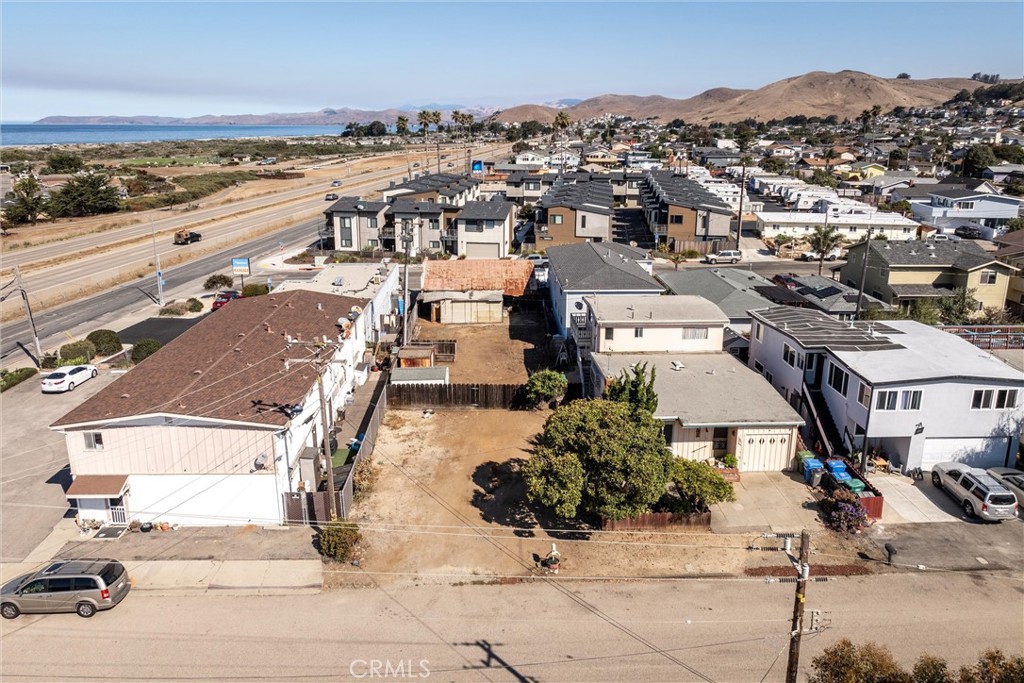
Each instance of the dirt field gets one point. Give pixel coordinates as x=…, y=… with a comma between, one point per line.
x=449, y=506
x=496, y=354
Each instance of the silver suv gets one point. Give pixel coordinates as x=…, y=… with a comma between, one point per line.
x=978, y=492
x=81, y=586
x=730, y=255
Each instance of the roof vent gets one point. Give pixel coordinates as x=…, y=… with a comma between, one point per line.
x=932, y=255
x=676, y=365
x=237, y=350
x=931, y=247
x=197, y=372
x=711, y=371
x=126, y=395
x=319, y=306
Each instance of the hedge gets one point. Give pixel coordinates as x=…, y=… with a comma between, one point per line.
x=107, y=342
x=14, y=377
x=144, y=348
x=78, y=349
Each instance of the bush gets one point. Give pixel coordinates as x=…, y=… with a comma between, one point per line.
x=364, y=478
x=48, y=361
x=106, y=342
x=255, y=290
x=14, y=377
x=78, y=349
x=337, y=540
x=842, y=511
x=174, y=309
x=194, y=305
x=691, y=254
x=218, y=281
x=545, y=385
x=144, y=348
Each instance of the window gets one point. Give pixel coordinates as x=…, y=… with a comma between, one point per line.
x=758, y=366
x=373, y=244
x=638, y=332
x=93, y=441
x=666, y=430
x=910, y=400
x=838, y=379
x=372, y=222
x=789, y=355
x=982, y=399
x=675, y=220
x=556, y=219
x=695, y=333
x=768, y=376
x=1006, y=398
x=434, y=224
x=583, y=221
x=346, y=233
x=435, y=245
x=609, y=333
x=966, y=206
x=85, y=584
x=720, y=439
x=988, y=277
x=758, y=331
x=864, y=395
x=61, y=585
x=885, y=400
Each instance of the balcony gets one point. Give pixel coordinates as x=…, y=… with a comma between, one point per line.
x=388, y=231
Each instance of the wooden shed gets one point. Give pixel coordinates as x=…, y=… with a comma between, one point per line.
x=416, y=357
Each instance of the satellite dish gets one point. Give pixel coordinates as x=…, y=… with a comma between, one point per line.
x=260, y=462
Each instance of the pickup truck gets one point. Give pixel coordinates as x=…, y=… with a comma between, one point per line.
x=815, y=256
x=186, y=237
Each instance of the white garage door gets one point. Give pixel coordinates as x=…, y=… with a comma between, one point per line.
x=974, y=452
x=483, y=250
x=764, y=450
x=474, y=312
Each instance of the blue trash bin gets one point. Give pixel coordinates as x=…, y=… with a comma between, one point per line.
x=811, y=464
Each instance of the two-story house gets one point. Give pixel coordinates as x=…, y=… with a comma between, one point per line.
x=222, y=423
x=1011, y=252
x=735, y=291
x=353, y=223
x=900, y=273
x=485, y=229
x=918, y=394
x=710, y=403
x=680, y=212
x=951, y=209
x=440, y=188
x=573, y=212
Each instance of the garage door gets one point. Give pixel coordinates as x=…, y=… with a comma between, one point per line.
x=483, y=250
x=764, y=450
x=474, y=312
x=974, y=452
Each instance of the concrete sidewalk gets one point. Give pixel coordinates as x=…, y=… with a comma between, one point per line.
x=196, y=577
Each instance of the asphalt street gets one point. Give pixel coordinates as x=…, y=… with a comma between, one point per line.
x=698, y=630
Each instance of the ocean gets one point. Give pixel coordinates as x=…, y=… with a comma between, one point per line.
x=18, y=134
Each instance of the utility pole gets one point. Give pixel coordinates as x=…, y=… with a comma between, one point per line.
x=28, y=312
x=407, y=241
x=159, y=273
x=863, y=274
x=739, y=221
x=799, y=602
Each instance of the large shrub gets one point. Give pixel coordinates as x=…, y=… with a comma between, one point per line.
x=144, y=348
x=175, y=308
x=106, y=342
x=546, y=385
x=337, y=540
x=78, y=349
x=842, y=511
x=218, y=281
x=14, y=377
x=255, y=290
x=194, y=305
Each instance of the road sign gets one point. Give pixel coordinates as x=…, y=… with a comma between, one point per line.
x=240, y=266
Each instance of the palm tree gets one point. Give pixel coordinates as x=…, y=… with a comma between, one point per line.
x=456, y=117
x=424, y=118
x=402, y=125
x=27, y=201
x=435, y=118
x=829, y=156
x=823, y=241
x=467, y=121
x=562, y=121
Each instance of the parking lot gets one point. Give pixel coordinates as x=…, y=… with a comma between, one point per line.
x=35, y=462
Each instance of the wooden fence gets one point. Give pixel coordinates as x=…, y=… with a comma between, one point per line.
x=444, y=349
x=451, y=395
x=658, y=520
x=370, y=428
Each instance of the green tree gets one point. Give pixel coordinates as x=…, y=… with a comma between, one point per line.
x=86, y=195
x=783, y=241
x=424, y=118
x=144, y=348
x=823, y=240
x=106, y=342
x=1015, y=224
x=700, y=485
x=64, y=162
x=257, y=289
x=829, y=156
x=637, y=390
x=903, y=76
x=978, y=158
x=376, y=129
x=26, y=203
x=959, y=307
x=218, y=281
x=844, y=662
x=545, y=385
x=774, y=164
x=823, y=178
x=402, y=125
x=600, y=458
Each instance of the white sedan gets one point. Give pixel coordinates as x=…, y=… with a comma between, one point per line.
x=66, y=379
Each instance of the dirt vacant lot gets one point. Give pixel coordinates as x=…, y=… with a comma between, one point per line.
x=504, y=353
x=449, y=506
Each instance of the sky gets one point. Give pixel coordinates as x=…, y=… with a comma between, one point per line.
x=186, y=59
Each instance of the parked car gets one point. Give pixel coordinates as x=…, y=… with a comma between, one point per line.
x=787, y=281
x=976, y=490
x=968, y=232
x=186, y=237
x=83, y=586
x=451, y=164
x=67, y=378
x=335, y=183
x=416, y=165
x=941, y=237
x=730, y=255
x=223, y=298
x=330, y=197
x=1013, y=480
x=815, y=256
x=537, y=259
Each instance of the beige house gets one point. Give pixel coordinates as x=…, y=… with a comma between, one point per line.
x=900, y=273
x=710, y=403
x=1011, y=252
x=573, y=212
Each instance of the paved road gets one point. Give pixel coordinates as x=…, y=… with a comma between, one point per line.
x=672, y=631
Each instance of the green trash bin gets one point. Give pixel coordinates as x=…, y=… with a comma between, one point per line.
x=801, y=456
x=855, y=485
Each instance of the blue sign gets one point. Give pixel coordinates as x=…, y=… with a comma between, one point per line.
x=478, y=166
x=240, y=266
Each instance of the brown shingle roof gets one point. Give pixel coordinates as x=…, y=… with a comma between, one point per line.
x=511, y=277
x=97, y=486
x=228, y=367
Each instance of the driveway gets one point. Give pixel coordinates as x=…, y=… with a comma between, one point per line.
x=35, y=463
x=918, y=502
x=766, y=501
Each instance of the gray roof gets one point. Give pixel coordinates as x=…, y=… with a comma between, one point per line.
x=355, y=205
x=816, y=330
x=957, y=193
x=730, y=393
x=655, y=310
x=594, y=197
x=408, y=206
x=731, y=289
x=961, y=254
x=925, y=191
x=432, y=374
x=492, y=210
x=665, y=187
x=832, y=296
x=912, y=291
x=598, y=267
x=446, y=184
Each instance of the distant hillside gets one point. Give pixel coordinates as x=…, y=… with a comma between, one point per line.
x=529, y=112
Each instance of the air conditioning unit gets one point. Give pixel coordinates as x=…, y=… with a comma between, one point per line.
x=376, y=279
